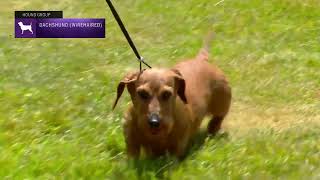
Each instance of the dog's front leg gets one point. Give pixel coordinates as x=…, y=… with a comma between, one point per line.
x=131, y=137
x=133, y=150
x=132, y=143
x=179, y=148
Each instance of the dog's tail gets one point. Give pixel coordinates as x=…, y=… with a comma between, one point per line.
x=204, y=51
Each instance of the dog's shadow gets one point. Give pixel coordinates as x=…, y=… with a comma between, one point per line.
x=160, y=167
x=201, y=138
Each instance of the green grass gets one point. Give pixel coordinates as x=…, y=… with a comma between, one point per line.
x=56, y=94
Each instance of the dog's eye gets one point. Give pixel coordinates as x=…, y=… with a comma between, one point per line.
x=165, y=95
x=143, y=94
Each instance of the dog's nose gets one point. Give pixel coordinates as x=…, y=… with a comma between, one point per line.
x=154, y=120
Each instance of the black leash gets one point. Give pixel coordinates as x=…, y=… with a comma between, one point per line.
x=126, y=34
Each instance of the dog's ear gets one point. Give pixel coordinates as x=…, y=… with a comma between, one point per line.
x=180, y=85
x=129, y=81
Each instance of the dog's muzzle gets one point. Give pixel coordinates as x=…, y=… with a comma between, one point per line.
x=154, y=120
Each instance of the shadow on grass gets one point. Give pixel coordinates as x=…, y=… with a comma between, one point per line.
x=200, y=138
x=160, y=167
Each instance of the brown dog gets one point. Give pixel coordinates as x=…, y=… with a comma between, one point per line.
x=169, y=105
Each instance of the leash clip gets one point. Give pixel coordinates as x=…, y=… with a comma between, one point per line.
x=141, y=60
x=126, y=34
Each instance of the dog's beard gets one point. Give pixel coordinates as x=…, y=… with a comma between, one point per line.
x=162, y=131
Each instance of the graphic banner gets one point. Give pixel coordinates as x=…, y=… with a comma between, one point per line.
x=40, y=24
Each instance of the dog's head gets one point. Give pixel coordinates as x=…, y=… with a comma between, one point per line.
x=20, y=23
x=154, y=93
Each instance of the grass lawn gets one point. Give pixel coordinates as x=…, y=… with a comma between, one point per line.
x=56, y=94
